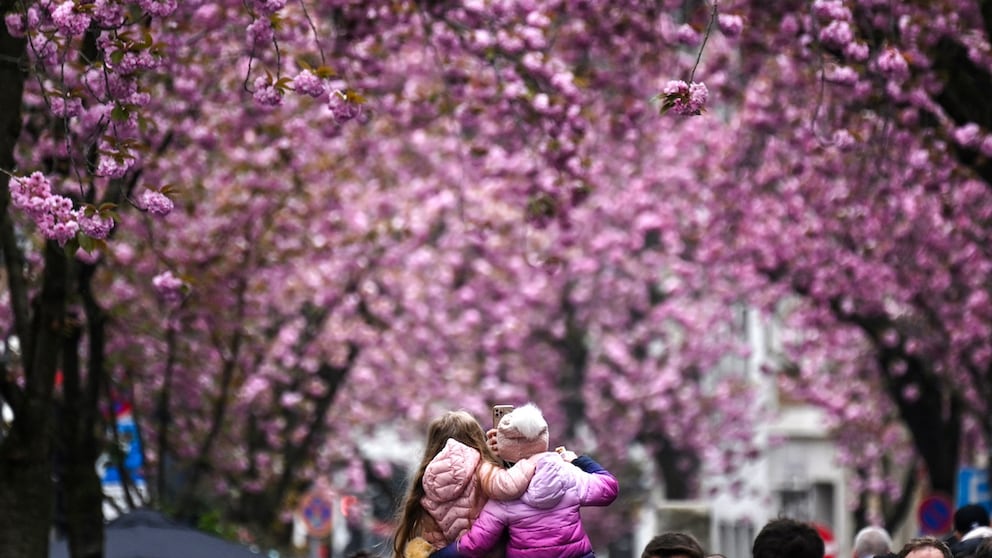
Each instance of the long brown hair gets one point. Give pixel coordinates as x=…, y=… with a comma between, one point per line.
x=454, y=424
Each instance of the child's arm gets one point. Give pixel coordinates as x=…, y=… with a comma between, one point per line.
x=505, y=484
x=483, y=536
x=602, y=487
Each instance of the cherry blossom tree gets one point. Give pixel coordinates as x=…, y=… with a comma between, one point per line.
x=859, y=188
x=121, y=102
x=383, y=290
x=279, y=225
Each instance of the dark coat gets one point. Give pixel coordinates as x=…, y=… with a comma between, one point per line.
x=967, y=548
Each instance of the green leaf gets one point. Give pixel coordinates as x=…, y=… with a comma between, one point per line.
x=100, y=244
x=119, y=113
x=541, y=206
x=355, y=97
x=71, y=247
x=85, y=242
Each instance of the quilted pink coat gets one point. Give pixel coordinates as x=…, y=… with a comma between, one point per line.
x=545, y=521
x=458, y=482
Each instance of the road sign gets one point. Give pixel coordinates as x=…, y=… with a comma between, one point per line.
x=316, y=511
x=973, y=487
x=130, y=447
x=935, y=514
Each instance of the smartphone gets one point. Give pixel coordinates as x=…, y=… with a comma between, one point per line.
x=499, y=411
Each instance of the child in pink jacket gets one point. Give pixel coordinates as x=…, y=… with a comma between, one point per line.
x=544, y=522
x=458, y=474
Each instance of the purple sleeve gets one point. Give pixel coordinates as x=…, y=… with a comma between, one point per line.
x=602, y=488
x=486, y=532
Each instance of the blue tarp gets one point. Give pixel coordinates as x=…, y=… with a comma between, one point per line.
x=148, y=534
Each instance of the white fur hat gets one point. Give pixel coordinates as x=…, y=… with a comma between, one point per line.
x=522, y=433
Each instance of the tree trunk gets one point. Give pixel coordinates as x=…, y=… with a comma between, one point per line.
x=81, y=436
x=26, y=488
x=896, y=512
x=934, y=420
x=933, y=417
x=680, y=480
x=25, y=454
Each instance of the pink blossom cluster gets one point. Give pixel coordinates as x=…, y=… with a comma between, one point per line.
x=16, y=24
x=683, y=98
x=267, y=7
x=260, y=32
x=156, y=203
x=857, y=51
x=307, y=83
x=266, y=93
x=831, y=10
x=342, y=107
x=688, y=36
x=95, y=225
x=893, y=64
x=125, y=59
x=838, y=34
x=53, y=214
x=968, y=135
x=114, y=164
x=170, y=288
x=836, y=30
x=158, y=8
x=108, y=13
x=845, y=75
x=68, y=20
x=66, y=107
x=730, y=25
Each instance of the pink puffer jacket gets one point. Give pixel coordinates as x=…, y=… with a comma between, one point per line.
x=545, y=521
x=458, y=482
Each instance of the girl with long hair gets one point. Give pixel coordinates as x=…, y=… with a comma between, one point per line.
x=457, y=475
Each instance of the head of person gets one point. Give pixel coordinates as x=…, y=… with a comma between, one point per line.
x=673, y=545
x=984, y=550
x=925, y=547
x=871, y=541
x=787, y=538
x=969, y=517
x=522, y=433
x=458, y=425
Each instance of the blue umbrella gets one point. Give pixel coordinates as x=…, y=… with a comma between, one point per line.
x=147, y=533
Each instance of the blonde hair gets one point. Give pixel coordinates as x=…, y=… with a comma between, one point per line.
x=464, y=428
